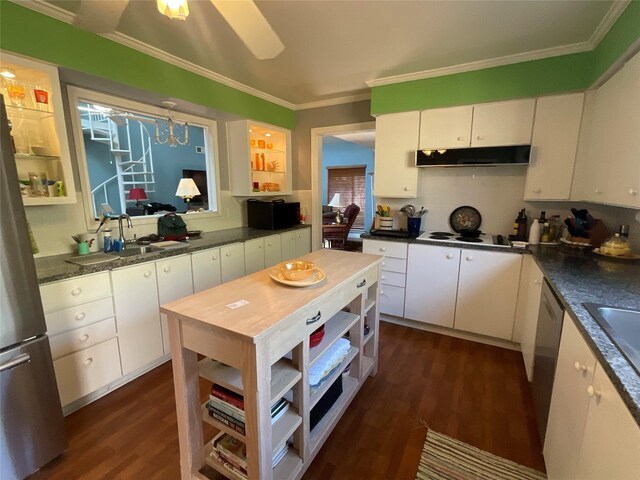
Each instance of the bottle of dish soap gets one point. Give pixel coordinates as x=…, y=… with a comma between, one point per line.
x=534, y=232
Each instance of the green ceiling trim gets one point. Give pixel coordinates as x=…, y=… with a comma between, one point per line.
x=38, y=36
x=547, y=76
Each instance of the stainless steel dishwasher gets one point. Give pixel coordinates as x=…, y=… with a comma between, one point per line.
x=546, y=354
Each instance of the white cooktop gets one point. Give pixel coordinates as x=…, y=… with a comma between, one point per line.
x=455, y=238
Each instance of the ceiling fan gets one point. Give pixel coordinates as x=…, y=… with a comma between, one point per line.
x=243, y=16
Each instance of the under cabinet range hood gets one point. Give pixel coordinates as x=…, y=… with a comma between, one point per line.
x=474, y=157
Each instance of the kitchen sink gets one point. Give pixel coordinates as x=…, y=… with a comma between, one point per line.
x=135, y=250
x=622, y=325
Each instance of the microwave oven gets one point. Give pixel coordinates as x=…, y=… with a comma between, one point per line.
x=272, y=215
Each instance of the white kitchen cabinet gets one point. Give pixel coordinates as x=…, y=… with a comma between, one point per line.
x=393, y=274
x=446, y=127
x=135, y=295
x=611, y=441
x=432, y=284
x=553, y=147
x=75, y=291
x=396, y=174
x=232, y=262
x=175, y=281
x=38, y=129
x=288, y=245
x=503, y=123
x=261, y=156
x=528, y=304
x=303, y=241
x=254, y=255
x=272, y=250
x=487, y=292
x=610, y=171
x=205, y=267
x=591, y=434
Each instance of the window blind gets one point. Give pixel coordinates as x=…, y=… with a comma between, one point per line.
x=350, y=183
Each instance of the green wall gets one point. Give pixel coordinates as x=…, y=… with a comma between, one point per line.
x=32, y=34
x=527, y=79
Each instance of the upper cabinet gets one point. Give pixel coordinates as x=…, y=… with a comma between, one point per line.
x=608, y=169
x=554, y=144
x=396, y=174
x=485, y=125
x=34, y=107
x=259, y=159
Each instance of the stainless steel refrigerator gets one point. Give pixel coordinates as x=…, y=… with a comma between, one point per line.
x=30, y=412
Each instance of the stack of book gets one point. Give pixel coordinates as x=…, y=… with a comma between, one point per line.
x=227, y=407
x=232, y=453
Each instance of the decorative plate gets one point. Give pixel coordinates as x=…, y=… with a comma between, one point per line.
x=316, y=277
x=466, y=217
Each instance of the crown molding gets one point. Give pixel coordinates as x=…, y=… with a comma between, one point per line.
x=334, y=101
x=607, y=22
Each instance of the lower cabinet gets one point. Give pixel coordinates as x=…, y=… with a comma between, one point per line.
x=272, y=250
x=432, y=284
x=295, y=243
x=254, y=255
x=526, y=321
x=174, y=281
x=590, y=433
x=471, y=290
x=232, y=262
x=135, y=296
x=393, y=275
x=205, y=268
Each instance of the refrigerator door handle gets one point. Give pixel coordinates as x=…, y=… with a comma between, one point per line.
x=14, y=362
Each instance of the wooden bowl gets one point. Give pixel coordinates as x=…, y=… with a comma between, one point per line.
x=297, y=270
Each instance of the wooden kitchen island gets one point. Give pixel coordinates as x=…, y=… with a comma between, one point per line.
x=260, y=349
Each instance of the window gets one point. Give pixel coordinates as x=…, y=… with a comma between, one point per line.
x=127, y=164
x=350, y=183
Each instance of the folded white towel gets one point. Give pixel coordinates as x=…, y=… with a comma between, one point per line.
x=328, y=361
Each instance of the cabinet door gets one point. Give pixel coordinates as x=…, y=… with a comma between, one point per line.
x=611, y=442
x=487, y=293
x=232, y=262
x=553, y=147
x=526, y=320
x=432, y=284
x=272, y=250
x=174, y=281
x=135, y=296
x=303, y=241
x=446, y=127
x=205, y=266
x=503, y=123
x=396, y=174
x=615, y=142
x=254, y=255
x=569, y=403
x=288, y=245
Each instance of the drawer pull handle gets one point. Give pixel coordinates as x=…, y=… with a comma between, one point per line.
x=469, y=258
x=80, y=316
x=315, y=318
x=363, y=283
x=215, y=257
x=594, y=392
x=384, y=264
x=84, y=338
x=383, y=249
x=449, y=256
x=459, y=139
x=259, y=246
x=88, y=361
x=14, y=362
x=76, y=291
x=147, y=274
x=166, y=269
x=580, y=367
x=228, y=254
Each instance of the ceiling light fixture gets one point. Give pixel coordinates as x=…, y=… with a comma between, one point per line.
x=171, y=139
x=173, y=9
x=8, y=73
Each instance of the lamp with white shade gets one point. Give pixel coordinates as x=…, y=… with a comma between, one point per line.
x=187, y=189
x=336, y=203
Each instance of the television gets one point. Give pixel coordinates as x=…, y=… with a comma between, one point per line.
x=200, y=179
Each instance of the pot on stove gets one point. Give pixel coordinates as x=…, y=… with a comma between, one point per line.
x=470, y=233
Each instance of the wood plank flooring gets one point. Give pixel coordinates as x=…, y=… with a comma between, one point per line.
x=476, y=393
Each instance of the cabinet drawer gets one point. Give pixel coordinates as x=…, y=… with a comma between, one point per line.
x=392, y=278
x=394, y=265
x=388, y=249
x=75, y=291
x=80, y=338
x=79, y=316
x=392, y=300
x=85, y=371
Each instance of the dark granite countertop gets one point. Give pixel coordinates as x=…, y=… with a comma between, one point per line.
x=50, y=269
x=578, y=277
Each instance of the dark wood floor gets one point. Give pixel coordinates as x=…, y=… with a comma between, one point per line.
x=473, y=392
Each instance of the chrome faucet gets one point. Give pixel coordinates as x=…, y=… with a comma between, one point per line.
x=123, y=240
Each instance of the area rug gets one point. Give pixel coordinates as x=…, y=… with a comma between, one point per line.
x=444, y=458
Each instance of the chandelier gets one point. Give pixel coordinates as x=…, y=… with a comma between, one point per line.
x=171, y=138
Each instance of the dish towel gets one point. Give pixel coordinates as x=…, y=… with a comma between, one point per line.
x=328, y=361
